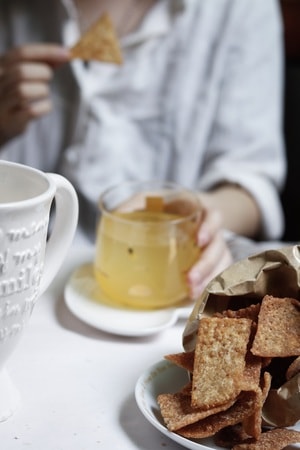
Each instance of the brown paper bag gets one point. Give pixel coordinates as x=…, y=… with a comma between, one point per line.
x=274, y=272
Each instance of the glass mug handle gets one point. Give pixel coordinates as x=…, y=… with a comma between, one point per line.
x=65, y=223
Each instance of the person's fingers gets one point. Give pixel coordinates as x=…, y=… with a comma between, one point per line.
x=29, y=92
x=210, y=240
x=26, y=72
x=208, y=259
x=213, y=258
x=14, y=81
x=39, y=108
x=224, y=262
x=211, y=224
x=50, y=53
x=23, y=96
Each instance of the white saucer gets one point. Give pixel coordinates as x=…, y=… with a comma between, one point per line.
x=85, y=300
x=166, y=377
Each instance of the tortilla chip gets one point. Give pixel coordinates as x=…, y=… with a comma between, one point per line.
x=219, y=364
x=242, y=408
x=99, y=43
x=276, y=439
x=252, y=425
x=278, y=329
x=250, y=312
x=185, y=360
x=230, y=436
x=265, y=385
x=252, y=372
x=229, y=384
x=293, y=369
x=177, y=411
x=187, y=390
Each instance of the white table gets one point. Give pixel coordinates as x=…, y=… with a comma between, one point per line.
x=77, y=383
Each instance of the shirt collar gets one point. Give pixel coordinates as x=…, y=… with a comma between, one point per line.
x=70, y=8
x=157, y=23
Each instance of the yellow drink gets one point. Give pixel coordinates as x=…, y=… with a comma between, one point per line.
x=142, y=257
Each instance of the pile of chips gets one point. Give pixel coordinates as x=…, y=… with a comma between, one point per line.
x=239, y=356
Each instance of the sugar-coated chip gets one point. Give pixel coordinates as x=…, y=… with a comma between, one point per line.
x=252, y=381
x=293, y=369
x=187, y=390
x=177, y=411
x=278, y=329
x=250, y=312
x=183, y=359
x=231, y=435
x=229, y=381
x=242, y=408
x=275, y=439
x=99, y=43
x=252, y=372
x=252, y=424
x=265, y=384
x=219, y=360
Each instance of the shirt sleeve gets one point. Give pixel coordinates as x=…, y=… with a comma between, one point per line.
x=246, y=142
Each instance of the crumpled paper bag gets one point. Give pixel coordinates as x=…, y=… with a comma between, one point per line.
x=274, y=272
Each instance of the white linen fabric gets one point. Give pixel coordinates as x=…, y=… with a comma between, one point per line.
x=198, y=100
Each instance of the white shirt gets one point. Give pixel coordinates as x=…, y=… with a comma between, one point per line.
x=198, y=100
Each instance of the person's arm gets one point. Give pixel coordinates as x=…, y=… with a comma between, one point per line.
x=238, y=209
x=25, y=74
x=245, y=147
x=231, y=207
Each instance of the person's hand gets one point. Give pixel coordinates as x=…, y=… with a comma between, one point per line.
x=25, y=74
x=215, y=254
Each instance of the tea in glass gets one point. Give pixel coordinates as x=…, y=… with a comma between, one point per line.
x=146, y=243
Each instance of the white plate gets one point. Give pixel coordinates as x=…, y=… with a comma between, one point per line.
x=166, y=377
x=86, y=301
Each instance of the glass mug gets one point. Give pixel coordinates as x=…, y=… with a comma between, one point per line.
x=146, y=243
x=29, y=258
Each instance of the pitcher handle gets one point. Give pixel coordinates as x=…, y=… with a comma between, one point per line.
x=62, y=234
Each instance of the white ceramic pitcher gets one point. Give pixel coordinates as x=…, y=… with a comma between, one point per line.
x=29, y=258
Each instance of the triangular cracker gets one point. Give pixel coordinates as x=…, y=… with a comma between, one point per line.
x=99, y=43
